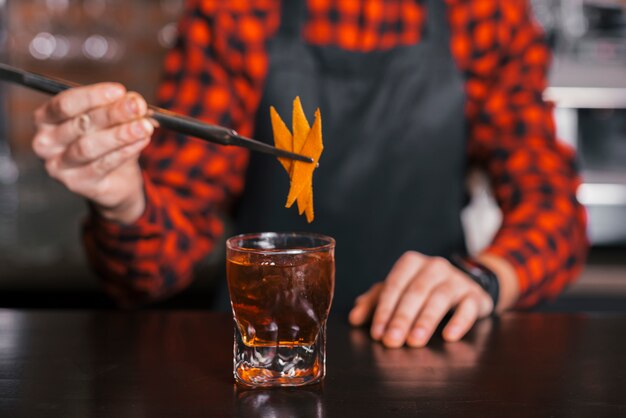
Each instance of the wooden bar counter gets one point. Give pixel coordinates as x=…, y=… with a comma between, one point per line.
x=179, y=364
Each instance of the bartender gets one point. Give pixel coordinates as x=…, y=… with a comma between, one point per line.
x=412, y=93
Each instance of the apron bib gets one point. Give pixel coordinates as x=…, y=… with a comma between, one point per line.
x=391, y=178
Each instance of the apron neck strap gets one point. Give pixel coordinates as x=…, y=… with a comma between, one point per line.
x=292, y=18
x=437, y=26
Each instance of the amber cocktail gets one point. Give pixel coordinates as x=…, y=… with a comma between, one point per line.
x=281, y=288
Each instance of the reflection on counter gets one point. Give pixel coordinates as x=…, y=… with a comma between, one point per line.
x=274, y=403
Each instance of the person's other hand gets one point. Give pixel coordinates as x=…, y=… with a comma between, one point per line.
x=90, y=139
x=416, y=295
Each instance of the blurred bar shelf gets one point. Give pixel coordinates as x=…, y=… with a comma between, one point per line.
x=582, y=84
x=587, y=97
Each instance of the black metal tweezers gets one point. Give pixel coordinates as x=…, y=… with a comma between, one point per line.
x=166, y=119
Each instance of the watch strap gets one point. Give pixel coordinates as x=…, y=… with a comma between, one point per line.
x=479, y=273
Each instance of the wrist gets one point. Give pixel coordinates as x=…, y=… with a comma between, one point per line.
x=127, y=212
x=480, y=274
x=507, y=278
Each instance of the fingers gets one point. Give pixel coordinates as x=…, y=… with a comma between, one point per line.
x=408, y=307
x=439, y=302
x=54, y=139
x=364, y=305
x=416, y=296
x=429, y=307
x=111, y=161
x=464, y=317
x=401, y=274
x=90, y=139
x=101, y=143
x=76, y=101
x=86, y=180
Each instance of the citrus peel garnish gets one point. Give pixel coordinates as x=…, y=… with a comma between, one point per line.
x=306, y=140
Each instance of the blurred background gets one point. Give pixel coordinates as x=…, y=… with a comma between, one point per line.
x=41, y=260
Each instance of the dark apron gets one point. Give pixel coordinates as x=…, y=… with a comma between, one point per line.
x=392, y=172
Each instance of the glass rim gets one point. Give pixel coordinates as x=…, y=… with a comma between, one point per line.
x=329, y=245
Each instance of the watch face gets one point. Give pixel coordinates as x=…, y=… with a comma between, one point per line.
x=475, y=270
x=480, y=274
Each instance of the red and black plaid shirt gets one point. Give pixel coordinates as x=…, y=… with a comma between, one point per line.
x=217, y=72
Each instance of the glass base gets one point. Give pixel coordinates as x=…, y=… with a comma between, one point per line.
x=280, y=365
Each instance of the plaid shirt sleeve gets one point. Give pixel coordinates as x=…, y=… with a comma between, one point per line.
x=512, y=135
x=214, y=73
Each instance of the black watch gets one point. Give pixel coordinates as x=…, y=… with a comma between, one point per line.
x=478, y=272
